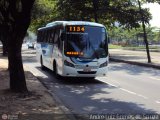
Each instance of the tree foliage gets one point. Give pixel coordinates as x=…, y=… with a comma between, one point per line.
x=126, y=13
x=43, y=12
x=122, y=12
x=134, y=36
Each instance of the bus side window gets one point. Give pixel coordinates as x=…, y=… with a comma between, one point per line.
x=52, y=36
x=38, y=36
x=49, y=38
x=61, y=39
x=56, y=36
x=48, y=35
x=42, y=36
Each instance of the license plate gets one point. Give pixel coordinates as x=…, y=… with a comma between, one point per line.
x=87, y=69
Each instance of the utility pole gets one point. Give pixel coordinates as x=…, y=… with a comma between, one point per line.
x=144, y=33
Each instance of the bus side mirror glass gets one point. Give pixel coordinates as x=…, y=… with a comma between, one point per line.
x=62, y=36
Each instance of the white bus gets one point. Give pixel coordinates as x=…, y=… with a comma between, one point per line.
x=73, y=48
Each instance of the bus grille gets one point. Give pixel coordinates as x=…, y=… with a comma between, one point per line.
x=82, y=72
x=82, y=67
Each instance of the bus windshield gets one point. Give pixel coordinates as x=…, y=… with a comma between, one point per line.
x=91, y=43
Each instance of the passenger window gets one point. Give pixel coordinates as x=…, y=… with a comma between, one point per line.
x=42, y=36
x=56, y=36
x=52, y=35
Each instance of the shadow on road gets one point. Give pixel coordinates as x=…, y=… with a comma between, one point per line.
x=90, y=96
x=70, y=80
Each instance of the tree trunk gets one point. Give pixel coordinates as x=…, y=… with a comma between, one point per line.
x=95, y=7
x=144, y=34
x=17, y=31
x=17, y=76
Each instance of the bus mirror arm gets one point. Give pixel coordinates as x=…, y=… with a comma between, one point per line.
x=62, y=36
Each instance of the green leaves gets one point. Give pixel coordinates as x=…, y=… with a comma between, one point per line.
x=42, y=13
x=124, y=12
x=108, y=12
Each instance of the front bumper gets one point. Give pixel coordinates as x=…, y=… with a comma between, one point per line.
x=73, y=72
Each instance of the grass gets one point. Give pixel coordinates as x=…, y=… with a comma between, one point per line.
x=111, y=46
x=141, y=47
x=154, y=48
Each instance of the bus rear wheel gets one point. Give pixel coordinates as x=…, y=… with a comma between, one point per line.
x=55, y=70
x=42, y=66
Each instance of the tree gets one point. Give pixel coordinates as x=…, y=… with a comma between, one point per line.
x=134, y=36
x=43, y=12
x=125, y=12
x=128, y=13
x=16, y=15
x=144, y=32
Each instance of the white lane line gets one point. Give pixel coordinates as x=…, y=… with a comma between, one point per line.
x=134, y=93
x=155, y=78
x=128, y=91
x=142, y=96
x=158, y=102
x=108, y=83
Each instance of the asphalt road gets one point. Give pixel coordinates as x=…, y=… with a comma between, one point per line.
x=128, y=89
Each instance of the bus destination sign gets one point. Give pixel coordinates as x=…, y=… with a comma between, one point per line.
x=75, y=28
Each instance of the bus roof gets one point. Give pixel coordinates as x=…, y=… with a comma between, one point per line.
x=65, y=23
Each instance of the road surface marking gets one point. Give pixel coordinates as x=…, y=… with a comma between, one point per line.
x=128, y=91
x=133, y=93
x=158, y=102
x=35, y=71
x=155, y=78
x=108, y=83
x=142, y=96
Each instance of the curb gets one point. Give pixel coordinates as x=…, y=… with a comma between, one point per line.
x=67, y=112
x=150, y=65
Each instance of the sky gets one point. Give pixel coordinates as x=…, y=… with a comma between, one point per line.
x=155, y=11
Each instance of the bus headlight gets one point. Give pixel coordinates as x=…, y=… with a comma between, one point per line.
x=68, y=64
x=103, y=64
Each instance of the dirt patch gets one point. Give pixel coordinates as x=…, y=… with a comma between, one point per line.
x=37, y=103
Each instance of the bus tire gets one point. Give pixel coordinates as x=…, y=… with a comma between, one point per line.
x=42, y=66
x=55, y=70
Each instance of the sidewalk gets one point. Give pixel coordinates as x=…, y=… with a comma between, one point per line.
x=37, y=106
x=135, y=57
